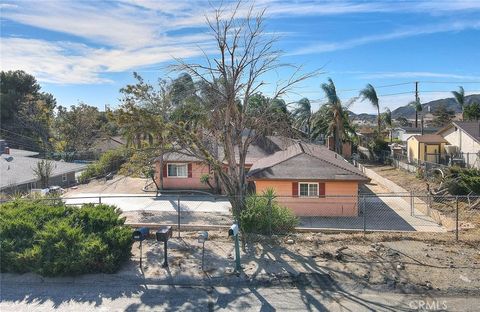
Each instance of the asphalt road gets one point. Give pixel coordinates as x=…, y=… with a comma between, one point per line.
x=121, y=297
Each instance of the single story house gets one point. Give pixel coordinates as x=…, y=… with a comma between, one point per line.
x=464, y=136
x=182, y=171
x=17, y=175
x=310, y=179
x=427, y=147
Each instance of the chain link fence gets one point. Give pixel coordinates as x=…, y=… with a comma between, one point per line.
x=367, y=212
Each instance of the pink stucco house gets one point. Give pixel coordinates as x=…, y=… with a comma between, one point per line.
x=310, y=179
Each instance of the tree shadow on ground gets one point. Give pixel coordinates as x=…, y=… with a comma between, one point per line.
x=276, y=266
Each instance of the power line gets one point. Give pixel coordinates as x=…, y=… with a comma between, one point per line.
x=462, y=82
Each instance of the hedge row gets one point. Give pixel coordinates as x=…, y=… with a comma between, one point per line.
x=54, y=240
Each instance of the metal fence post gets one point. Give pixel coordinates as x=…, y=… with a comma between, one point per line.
x=269, y=216
x=99, y=200
x=178, y=214
x=456, y=218
x=411, y=204
x=362, y=200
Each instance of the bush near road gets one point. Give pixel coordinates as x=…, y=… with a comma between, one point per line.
x=55, y=240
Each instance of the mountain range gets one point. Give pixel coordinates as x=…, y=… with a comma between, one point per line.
x=409, y=112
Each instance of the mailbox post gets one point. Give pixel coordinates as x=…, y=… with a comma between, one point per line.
x=163, y=235
x=140, y=235
x=233, y=231
x=202, y=237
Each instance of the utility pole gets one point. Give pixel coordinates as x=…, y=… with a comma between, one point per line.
x=417, y=100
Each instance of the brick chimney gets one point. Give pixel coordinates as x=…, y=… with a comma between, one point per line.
x=6, y=150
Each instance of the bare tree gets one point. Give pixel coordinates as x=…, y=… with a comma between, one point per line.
x=244, y=54
x=43, y=172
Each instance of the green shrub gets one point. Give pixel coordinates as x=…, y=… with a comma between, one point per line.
x=263, y=214
x=60, y=240
x=461, y=181
x=110, y=161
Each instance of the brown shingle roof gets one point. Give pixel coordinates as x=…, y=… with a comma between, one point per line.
x=305, y=161
x=472, y=128
x=430, y=138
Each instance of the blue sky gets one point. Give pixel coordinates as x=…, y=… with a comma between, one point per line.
x=87, y=50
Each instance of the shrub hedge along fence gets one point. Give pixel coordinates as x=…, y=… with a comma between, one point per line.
x=58, y=240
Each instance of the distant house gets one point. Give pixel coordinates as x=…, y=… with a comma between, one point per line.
x=403, y=133
x=304, y=175
x=17, y=175
x=102, y=145
x=464, y=137
x=427, y=147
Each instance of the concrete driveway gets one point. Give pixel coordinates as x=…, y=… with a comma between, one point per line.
x=147, y=202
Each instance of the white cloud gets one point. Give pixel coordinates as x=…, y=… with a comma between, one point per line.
x=397, y=34
x=67, y=63
x=106, y=36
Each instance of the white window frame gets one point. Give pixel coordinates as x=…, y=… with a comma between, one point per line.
x=309, y=183
x=64, y=177
x=177, y=176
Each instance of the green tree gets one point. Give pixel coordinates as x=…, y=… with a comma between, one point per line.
x=142, y=117
x=338, y=114
x=460, y=99
x=76, y=129
x=417, y=106
x=43, y=171
x=442, y=116
x=402, y=121
x=472, y=112
x=26, y=112
x=387, y=120
x=302, y=116
x=369, y=93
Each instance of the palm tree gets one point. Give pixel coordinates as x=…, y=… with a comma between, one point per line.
x=387, y=119
x=460, y=99
x=337, y=112
x=302, y=115
x=369, y=93
x=418, y=108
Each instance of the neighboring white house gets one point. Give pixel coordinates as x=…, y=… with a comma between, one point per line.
x=465, y=135
x=403, y=133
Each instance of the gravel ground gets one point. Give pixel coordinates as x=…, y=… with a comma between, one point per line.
x=379, y=262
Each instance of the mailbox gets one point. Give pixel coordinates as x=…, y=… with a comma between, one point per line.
x=164, y=234
x=141, y=234
x=233, y=231
x=202, y=237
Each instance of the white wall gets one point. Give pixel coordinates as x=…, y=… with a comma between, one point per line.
x=465, y=143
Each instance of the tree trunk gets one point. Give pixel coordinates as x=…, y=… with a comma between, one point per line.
x=379, y=122
x=160, y=187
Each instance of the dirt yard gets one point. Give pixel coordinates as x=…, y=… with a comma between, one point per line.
x=119, y=184
x=384, y=262
x=405, y=179
x=447, y=206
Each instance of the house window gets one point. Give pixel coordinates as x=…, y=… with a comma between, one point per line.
x=64, y=177
x=177, y=170
x=308, y=189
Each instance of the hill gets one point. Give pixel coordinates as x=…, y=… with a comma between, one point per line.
x=409, y=113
